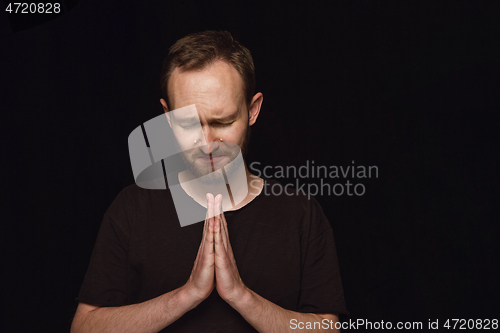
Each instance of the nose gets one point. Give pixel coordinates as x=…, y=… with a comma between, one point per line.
x=211, y=139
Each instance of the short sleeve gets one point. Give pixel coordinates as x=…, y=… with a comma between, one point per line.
x=321, y=285
x=105, y=281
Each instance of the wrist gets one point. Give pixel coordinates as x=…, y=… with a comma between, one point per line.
x=244, y=299
x=189, y=297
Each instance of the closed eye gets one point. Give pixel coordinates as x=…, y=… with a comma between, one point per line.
x=189, y=126
x=214, y=124
x=224, y=124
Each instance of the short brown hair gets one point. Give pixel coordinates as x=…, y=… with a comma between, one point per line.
x=199, y=50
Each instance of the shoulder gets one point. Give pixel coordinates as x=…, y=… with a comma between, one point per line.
x=133, y=202
x=127, y=197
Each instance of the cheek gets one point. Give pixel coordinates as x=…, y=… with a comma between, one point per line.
x=184, y=139
x=236, y=134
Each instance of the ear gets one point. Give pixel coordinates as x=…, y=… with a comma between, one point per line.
x=254, y=109
x=165, y=109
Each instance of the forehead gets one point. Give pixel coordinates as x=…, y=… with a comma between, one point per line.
x=216, y=88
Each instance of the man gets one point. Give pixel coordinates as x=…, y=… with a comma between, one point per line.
x=268, y=263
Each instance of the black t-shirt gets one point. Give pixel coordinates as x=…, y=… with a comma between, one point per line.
x=283, y=246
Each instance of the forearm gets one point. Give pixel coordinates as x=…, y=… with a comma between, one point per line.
x=149, y=316
x=266, y=316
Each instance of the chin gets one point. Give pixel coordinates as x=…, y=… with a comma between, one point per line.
x=211, y=178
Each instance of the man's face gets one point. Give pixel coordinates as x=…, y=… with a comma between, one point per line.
x=218, y=94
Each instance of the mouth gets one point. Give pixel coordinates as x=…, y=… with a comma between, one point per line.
x=211, y=158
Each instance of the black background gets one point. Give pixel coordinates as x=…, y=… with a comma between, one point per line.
x=411, y=88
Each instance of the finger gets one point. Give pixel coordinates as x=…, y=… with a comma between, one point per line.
x=203, y=240
x=210, y=233
x=199, y=249
x=224, y=222
x=205, y=226
x=229, y=252
x=207, y=242
x=217, y=221
x=210, y=205
x=205, y=233
x=218, y=211
x=219, y=244
x=225, y=236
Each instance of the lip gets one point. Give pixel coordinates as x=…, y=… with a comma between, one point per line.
x=213, y=159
